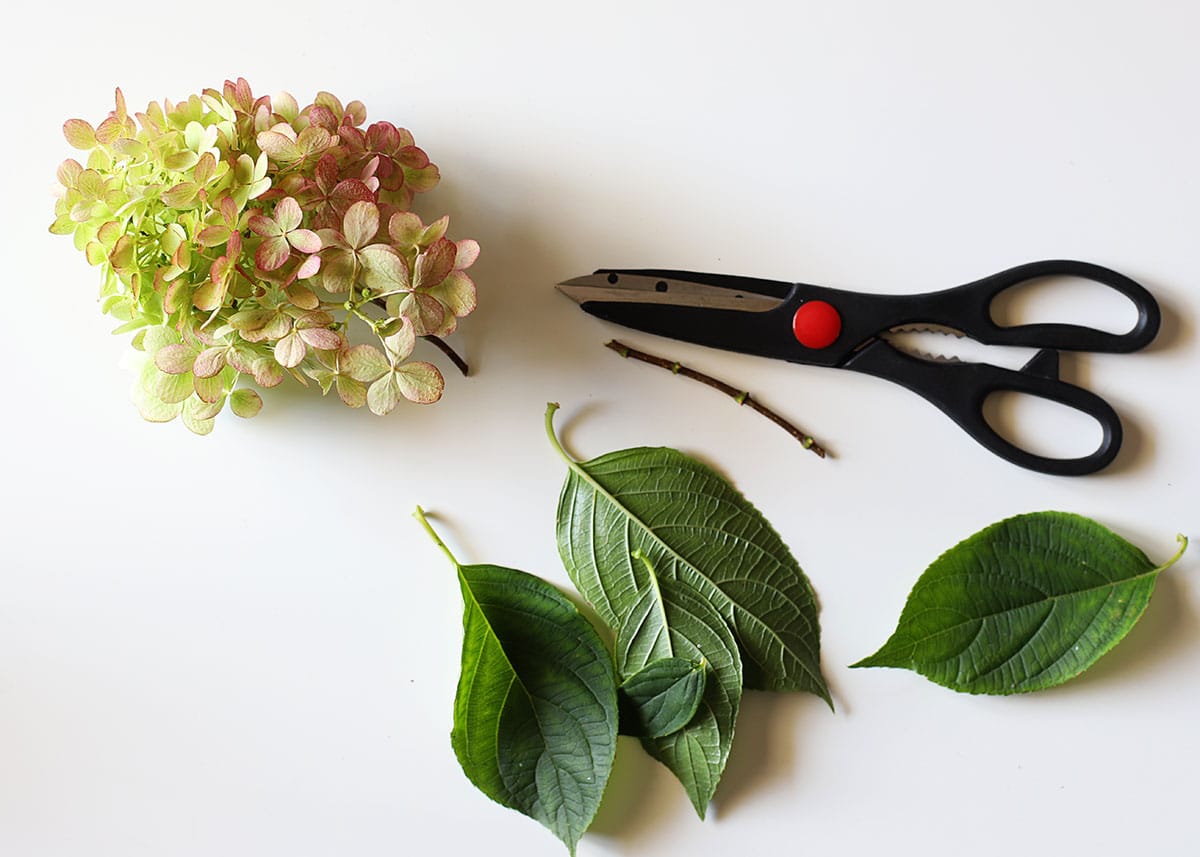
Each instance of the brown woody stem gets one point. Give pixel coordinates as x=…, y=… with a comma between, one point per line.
x=739, y=396
x=445, y=348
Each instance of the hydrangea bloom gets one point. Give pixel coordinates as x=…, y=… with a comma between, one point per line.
x=241, y=235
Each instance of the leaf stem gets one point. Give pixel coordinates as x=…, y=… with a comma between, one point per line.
x=419, y=514
x=740, y=396
x=1183, y=544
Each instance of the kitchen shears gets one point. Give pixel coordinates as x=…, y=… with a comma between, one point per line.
x=821, y=326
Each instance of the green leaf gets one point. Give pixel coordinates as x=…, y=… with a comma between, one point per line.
x=697, y=529
x=1025, y=604
x=535, y=715
x=664, y=695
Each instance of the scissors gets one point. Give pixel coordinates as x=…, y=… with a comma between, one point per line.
x=821, y=326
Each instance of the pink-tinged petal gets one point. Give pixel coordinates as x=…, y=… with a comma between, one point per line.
x=175, y=359
x=356, y=112
x=304, y=240
x=457, y=293
x=309, y=268
x=267, y=373
x=79, y=134
x=348, y=192
x=353, y=393
x=331, y=237
x=339, y=271
x=313, y=139
x=264, y=226
x=234, y=248
x=412, y=157
x=290, y=350
x=302, y=296
x=434, y=264
x=209, y=390
x=211, y=236
x=326, y=172
x=314, y=319
x=209, y=362
x=435, y=231
x=324, y=118
x=288, y=214
x=382, y=137
x=245, y=403
x=363, y=363
x=278, y=147
x=272, y=253
x=420, y=382
x=422, y=180
x=383, y=395
x=401, y=343
x=181, y=195
x=384, y=267
x=468, y=252
x=426, y=313
x=361, y=223
x=176, y=297
x=205, y=167
x=68, y=172
x=321, y=338
x=405, y=228
x=108, y=131
x=210, y=295
x=229, y=210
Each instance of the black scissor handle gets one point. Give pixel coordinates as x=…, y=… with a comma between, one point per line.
x=960, y=390
x=968, y=308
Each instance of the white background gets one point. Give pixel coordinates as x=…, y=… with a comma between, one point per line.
x=243, y=644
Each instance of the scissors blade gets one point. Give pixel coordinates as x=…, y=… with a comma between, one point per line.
x=646, y=289
x=719, y=317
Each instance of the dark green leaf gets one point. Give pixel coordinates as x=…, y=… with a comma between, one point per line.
x=676, y=560
x=535, y=716
x=1025, y=604
x=698, y=529
x=664, y=696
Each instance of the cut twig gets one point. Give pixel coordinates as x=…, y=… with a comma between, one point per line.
x=740, y=396
x=445, y=348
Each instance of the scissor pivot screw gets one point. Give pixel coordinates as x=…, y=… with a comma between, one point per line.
x=816, y=324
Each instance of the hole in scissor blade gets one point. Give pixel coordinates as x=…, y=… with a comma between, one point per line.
x=1041, y=426
x=612, y=279
x=1064, y=300
x=660, y=286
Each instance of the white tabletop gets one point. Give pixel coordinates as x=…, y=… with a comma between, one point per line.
x=243, y=644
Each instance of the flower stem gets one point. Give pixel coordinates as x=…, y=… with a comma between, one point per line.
x=740, y=396
x=445, y=348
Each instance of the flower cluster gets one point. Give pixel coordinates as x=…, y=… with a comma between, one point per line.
x=241, y=235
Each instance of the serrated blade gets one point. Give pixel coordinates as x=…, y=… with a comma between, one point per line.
x=937, y=343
